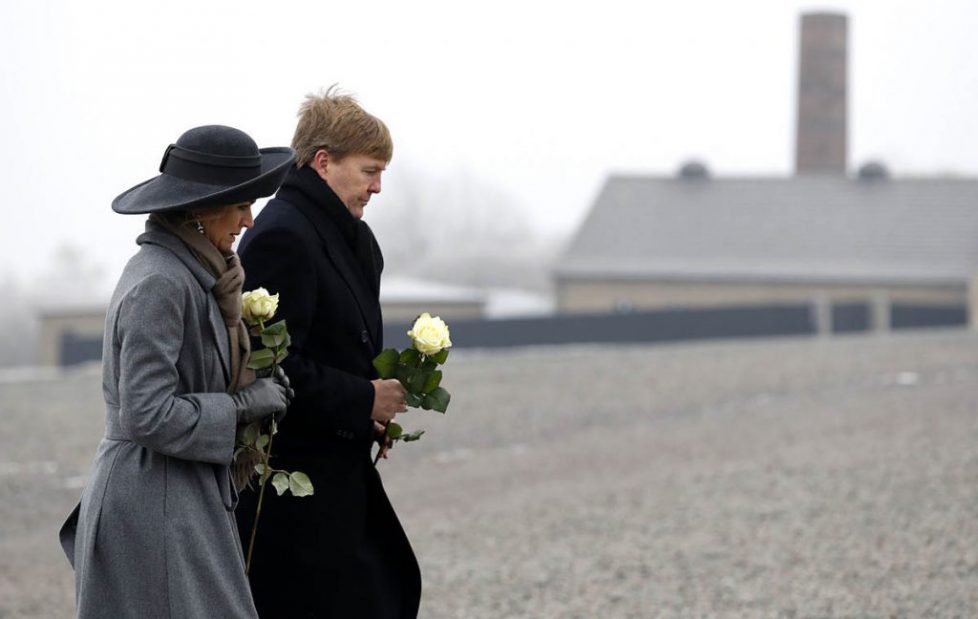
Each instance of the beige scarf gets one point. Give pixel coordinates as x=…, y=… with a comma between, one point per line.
x=227, y=291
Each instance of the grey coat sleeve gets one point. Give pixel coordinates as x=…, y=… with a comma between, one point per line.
x=150, y=331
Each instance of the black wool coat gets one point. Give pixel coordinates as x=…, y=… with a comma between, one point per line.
x=341, y=552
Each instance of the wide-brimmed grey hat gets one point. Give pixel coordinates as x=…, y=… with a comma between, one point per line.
x=212, y=165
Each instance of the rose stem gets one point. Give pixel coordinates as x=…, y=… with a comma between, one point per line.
x=266, y=473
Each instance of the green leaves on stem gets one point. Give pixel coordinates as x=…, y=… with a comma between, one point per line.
x=252, y=438
x=421, y=378
x=276, y=339
x=441, y=357
x=410, y=357
x=297, y=483
x=276, y=335
x=254, y=441
x=396, y=432
x=386, y=363
x=413, y=400
x=437, y=400
x=418, y=374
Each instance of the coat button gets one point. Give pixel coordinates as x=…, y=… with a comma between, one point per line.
x=364, y=336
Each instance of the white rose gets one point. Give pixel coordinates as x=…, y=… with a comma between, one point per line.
x=258, y=305
x=430, y=335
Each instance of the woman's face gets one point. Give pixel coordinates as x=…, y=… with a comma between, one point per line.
x=224, y=226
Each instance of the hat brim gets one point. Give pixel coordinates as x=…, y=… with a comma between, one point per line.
x=169, y=193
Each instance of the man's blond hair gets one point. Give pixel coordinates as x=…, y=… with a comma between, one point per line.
x=336, y=122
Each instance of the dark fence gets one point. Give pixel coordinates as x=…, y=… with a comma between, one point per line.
x=80, y=348
x=631, y=327
x=678, y=324
x=636, y=327
x=903, y=316
x=850, y=317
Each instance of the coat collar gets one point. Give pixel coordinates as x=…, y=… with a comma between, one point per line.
x=155, y=234
x=316, y=201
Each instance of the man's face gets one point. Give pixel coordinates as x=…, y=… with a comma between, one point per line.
x=354, y=179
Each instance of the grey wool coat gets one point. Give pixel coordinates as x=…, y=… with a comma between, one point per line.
x=154, y=535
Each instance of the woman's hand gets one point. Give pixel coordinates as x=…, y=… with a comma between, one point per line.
x=278, y=375
x=260, y=399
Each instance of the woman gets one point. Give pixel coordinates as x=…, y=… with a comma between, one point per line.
x=154, y=534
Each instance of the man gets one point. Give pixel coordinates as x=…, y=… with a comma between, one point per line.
x=341, y=552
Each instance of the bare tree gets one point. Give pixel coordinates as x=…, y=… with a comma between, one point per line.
x=462, y=230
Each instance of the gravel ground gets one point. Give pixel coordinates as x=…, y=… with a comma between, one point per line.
x=775, y=478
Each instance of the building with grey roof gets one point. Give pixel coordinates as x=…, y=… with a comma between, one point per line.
x=820, y=237
x=655, y=243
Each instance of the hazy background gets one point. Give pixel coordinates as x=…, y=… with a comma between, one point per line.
x=506, y=116
x=807, y=476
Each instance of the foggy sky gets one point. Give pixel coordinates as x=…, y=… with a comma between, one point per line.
x=538, y=100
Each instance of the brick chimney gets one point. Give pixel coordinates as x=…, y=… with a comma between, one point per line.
x=822, y=84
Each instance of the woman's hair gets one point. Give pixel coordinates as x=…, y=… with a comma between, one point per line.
x=190, y=217
x=336, y=123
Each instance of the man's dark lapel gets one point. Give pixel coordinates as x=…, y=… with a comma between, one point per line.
x=346, y=265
